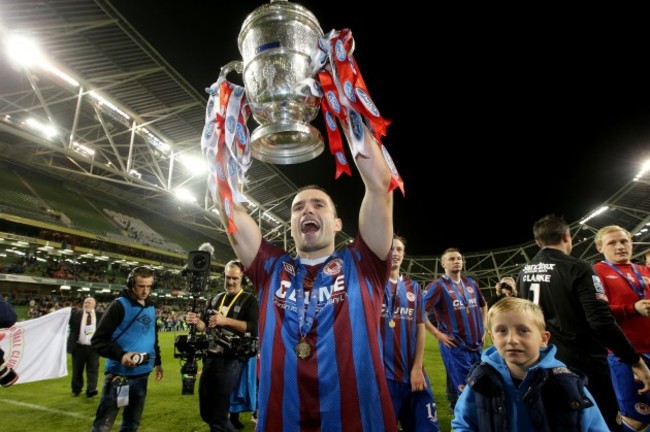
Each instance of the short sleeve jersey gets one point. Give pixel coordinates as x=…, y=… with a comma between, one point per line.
x=457, y=310
x=335, y=306
x=405, y=310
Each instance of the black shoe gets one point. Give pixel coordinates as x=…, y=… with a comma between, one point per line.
x=91, y=393
x=75, y=394
x=234, y=419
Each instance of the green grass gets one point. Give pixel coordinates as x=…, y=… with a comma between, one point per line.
x=47, y=405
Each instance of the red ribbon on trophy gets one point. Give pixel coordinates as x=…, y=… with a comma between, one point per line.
x=345, y=101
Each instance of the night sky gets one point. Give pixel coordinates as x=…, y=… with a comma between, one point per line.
x=498, y=116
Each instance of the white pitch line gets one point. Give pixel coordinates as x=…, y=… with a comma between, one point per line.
x=46, y=409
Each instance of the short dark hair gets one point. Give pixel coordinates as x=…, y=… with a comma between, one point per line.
x=549, y=230
x=319, y=188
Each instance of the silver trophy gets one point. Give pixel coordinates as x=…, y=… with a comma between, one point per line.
x=277, y=41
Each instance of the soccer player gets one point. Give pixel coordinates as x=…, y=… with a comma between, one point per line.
x=628, y=291
x=403, y=333
x=321, y=366
x=460, y=312
x=577, y=313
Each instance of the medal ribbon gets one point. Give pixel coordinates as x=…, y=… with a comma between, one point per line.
x=307, y=315
x=640, y=289
x=388, y=294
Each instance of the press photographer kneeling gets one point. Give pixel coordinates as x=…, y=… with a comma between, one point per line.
x=234, y=312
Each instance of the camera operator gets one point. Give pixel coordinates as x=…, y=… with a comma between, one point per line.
x=507, y=287
x=7, y=319
x=233, y=311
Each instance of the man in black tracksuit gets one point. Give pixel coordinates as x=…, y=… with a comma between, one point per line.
x=577, y=313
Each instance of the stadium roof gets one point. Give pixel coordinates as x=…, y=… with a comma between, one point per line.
x=124, y=121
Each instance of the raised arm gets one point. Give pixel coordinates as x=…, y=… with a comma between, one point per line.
x=376, y=213
x=247, y=237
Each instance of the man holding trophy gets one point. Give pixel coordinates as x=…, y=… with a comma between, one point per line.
x=321, y=366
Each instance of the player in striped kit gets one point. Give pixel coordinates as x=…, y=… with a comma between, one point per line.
x=321, y=365
x=460, y=312
x=403, y=333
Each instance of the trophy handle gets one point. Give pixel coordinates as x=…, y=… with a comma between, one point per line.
x=236, y=65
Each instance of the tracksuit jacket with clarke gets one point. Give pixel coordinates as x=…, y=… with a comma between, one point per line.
x=112, y=341
x=550, y=398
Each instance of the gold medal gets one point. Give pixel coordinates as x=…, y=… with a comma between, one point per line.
x=391, y=323
x=303, y=349
x=467, y=309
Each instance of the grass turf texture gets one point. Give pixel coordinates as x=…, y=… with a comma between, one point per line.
x=48, y=405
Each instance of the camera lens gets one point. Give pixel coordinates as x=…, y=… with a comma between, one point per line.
x=199, y=261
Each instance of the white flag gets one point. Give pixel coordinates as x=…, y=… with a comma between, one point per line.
x=36, y=348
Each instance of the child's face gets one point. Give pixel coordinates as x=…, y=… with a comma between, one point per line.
x=518, y=339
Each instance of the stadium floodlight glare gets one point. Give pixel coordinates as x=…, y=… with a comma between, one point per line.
x=47, y=130
x=24, y=50
x=594, y=214
x=184, y=195
x=644, y=169
x=194, y=164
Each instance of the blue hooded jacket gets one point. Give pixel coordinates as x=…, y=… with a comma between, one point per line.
x=551, y=398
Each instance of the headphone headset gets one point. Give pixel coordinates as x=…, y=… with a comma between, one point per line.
x=140, y=271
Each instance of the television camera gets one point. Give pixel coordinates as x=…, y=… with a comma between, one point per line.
x=190, y=347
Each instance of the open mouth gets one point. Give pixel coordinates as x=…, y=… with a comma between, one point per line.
x=309, y=226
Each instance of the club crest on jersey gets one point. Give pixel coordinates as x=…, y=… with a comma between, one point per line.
x=333, y=267
x=410, y=296
x=642, y=408
x=470, y=289
x=289, y=268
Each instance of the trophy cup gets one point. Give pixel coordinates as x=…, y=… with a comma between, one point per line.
x=277, y=41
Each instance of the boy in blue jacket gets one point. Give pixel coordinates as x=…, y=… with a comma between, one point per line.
x=519, y=385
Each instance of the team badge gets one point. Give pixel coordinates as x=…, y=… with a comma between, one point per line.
x=642, y=408
x=410, y=296
x=333, y=267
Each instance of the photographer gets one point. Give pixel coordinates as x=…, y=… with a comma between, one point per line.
x=127, y=337
x=7, y=319
x=232, y=312
x=507, y=287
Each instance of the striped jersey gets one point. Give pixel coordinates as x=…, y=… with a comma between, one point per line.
x=457, y=309
x=321, y=363
x=405, y=310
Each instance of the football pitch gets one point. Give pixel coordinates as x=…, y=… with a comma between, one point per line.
x=48, y=405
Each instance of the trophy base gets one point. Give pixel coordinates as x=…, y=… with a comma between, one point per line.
x=286, y=143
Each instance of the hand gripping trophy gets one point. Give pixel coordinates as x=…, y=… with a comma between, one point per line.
x=290, y=71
